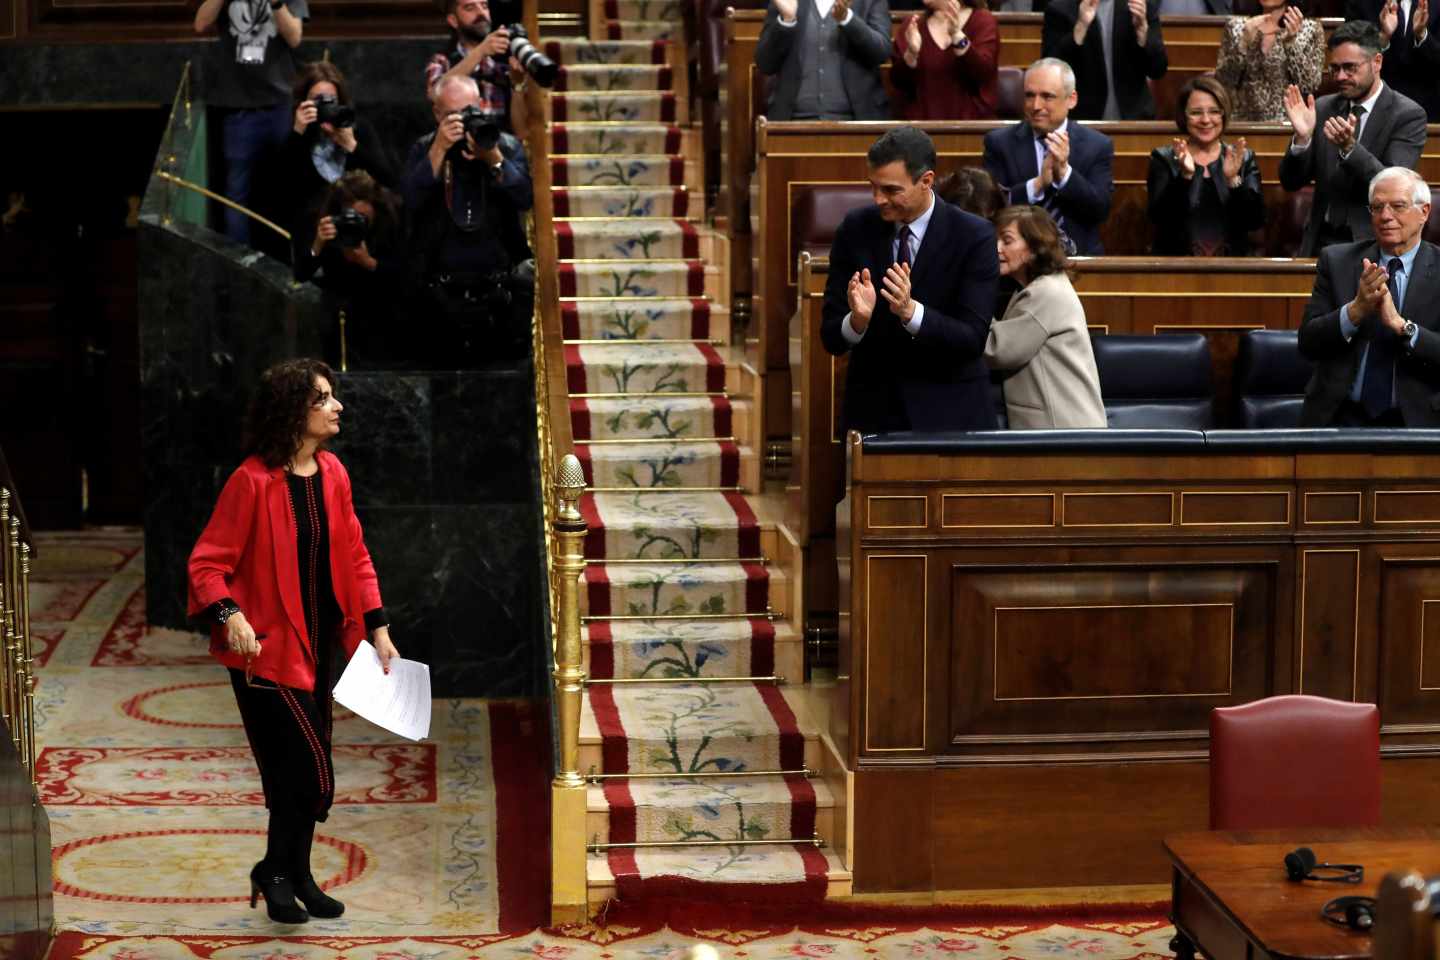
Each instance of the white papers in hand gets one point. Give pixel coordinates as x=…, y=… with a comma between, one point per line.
x=398, y=701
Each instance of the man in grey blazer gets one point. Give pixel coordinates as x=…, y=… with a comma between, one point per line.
x=827, y=54
x=1344, y=139
x=1372, y=325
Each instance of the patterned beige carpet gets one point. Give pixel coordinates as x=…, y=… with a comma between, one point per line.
x=439, y=849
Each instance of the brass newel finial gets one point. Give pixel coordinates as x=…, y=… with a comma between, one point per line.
x=569, y=486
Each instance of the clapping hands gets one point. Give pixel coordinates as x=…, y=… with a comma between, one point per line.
x=1234, y=159
x=1341, y=132
x=861, y=296
x=1139, y=21
x=786, y=9
x=1185, y=158
x=1301, y=113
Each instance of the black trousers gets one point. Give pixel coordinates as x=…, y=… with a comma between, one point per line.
x=290, y=734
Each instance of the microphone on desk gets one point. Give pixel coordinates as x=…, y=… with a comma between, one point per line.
x=1302, y=864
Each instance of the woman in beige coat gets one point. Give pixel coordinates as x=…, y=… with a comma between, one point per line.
x=1041, y=344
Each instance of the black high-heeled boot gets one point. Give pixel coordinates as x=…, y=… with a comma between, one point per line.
x=279, y=893
x=319, y=904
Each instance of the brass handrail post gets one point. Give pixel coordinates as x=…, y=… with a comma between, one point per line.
x=9, y=682
x=15, y=658
x=29, y=653
x=567, y=808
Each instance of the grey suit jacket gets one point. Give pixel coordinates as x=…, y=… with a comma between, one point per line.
x=866, y=42
x=1043, y=344
x=1337, y=360
x=1394, y=135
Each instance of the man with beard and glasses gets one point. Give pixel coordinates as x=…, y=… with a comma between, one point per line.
x=479, y=50
x=1343, y=139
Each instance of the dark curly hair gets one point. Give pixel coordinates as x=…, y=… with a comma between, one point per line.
x=1047, y=250
x=275, y=422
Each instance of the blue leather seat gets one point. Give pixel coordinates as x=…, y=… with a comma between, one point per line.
x=1270, y=379
x=1156, y=382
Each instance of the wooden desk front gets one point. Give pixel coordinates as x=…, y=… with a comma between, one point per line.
x=1232, y=900
x=1031, y=643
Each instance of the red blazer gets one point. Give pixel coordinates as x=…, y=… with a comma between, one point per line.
x=248, y=552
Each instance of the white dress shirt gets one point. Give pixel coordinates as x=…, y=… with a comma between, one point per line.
x=822, y=7
x=918, y=226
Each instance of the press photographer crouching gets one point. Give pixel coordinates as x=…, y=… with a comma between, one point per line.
x=355, y=257
x=466, y=188
x=327, y=140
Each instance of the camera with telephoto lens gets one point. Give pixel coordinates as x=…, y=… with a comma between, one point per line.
x=539, y=66
x=330, y=110
x=351, y=228
x=481, y=127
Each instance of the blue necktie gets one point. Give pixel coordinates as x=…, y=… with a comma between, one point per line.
x=1376, y=396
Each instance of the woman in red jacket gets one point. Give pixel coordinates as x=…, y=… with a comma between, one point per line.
x=946, y=63
x=282, y=574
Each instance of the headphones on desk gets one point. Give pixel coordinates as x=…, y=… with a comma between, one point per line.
x=1301, y=864
x=1353, y=913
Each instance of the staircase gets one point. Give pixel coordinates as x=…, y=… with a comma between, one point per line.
x=699, y=757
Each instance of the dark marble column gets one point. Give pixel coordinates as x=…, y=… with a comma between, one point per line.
x=447, y=487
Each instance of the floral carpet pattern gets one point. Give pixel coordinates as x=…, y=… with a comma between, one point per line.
x=435, y=847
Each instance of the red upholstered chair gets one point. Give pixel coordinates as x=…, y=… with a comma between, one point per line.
x=1294, y=761
x=817, y=212
x=1010, y=93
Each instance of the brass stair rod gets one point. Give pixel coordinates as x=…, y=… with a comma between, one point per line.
x=610, y=618
x=570, y=529
x=707, y=774
x=772, y=679
x=652, y=844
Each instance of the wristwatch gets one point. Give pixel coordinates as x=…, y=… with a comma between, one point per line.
x=962, y=43
x=1408, y=331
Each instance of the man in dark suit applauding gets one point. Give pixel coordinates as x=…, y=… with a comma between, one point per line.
x=1372, y=326
x=1411, y=36
x=1115, y=47
x=1342, y=140
x=1052, y=163
x=909, y=296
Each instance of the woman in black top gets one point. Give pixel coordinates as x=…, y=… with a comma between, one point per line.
x=1205, y=195
x=319, y=153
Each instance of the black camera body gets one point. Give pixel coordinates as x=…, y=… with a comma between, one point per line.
x=330, y=110
x=481, y=127
x=540, y=67
x=351, y=228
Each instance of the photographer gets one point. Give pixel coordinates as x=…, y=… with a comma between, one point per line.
x=254, y=65
x=479, y=50
x=352, y=251
x=327, y=140
x=466, y=188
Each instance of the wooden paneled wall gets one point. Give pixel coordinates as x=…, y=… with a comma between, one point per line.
x=1222, y=298
x=1031, y=643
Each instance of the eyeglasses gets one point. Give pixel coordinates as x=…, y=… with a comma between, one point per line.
x=1339, y=68
x=1199, y=112
x=1396, y=207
